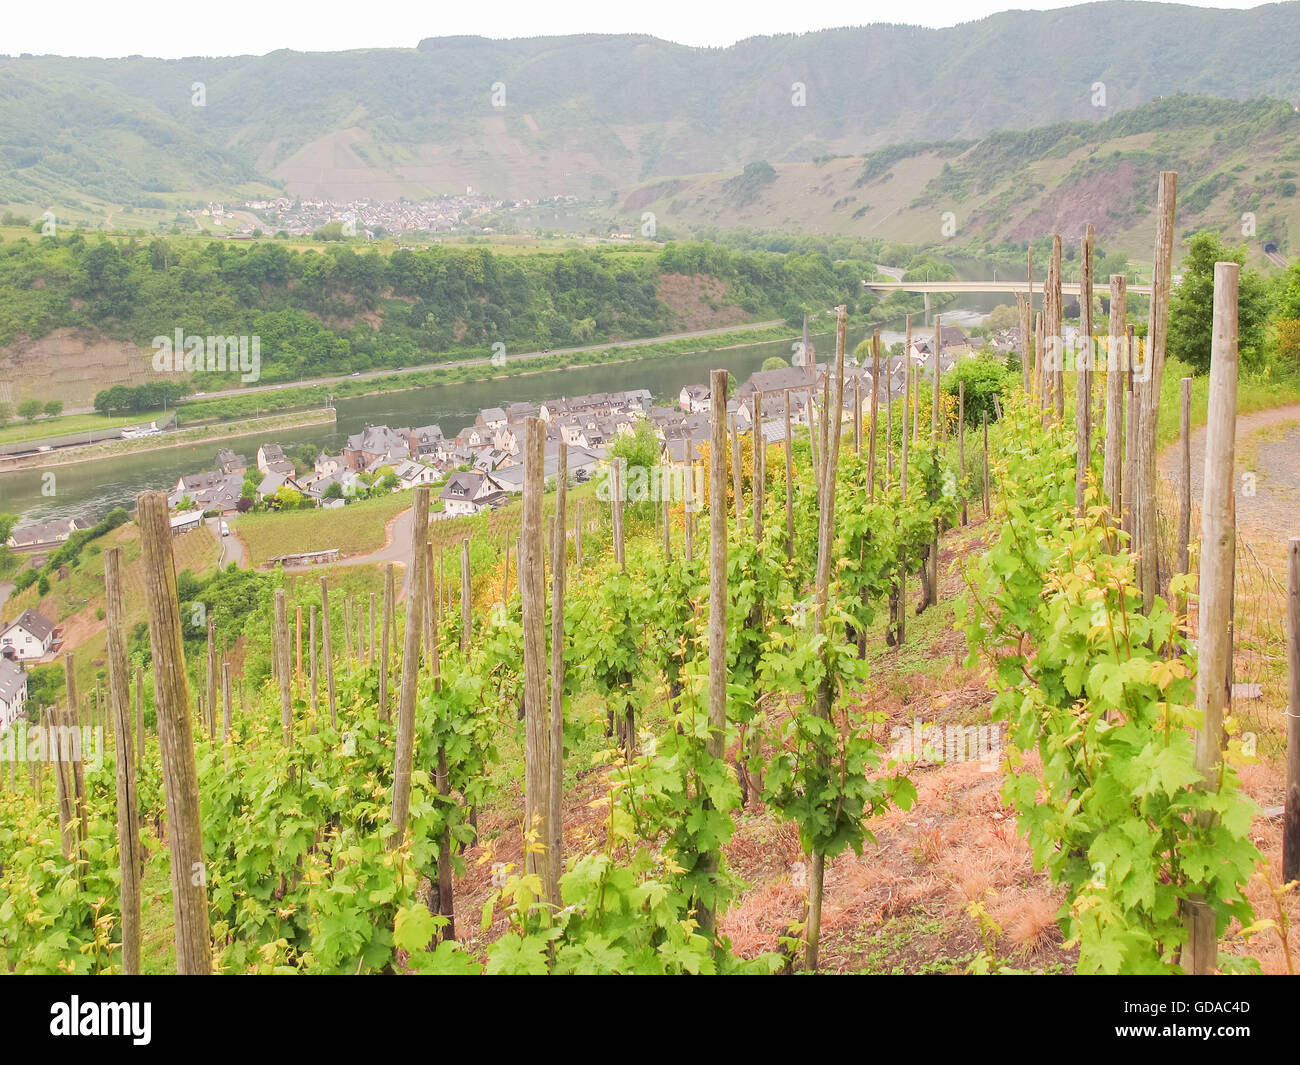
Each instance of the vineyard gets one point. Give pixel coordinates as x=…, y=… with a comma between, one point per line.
x=683, y=665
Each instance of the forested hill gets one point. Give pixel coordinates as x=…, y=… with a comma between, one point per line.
x=595, y=115
x=340, y=310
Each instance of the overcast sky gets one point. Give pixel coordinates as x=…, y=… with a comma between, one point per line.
x=175, y=28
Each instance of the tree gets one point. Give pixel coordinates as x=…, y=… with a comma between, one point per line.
x=6, y=413
x=774, y=362
x=1003, y=316
x=334, y=491
x=54, y=408
x=640, y=454
x=1191, y=307
x=7, y=523
x=30, y=409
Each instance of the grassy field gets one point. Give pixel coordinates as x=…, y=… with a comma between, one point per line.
x=355, y=529
x=71, y=423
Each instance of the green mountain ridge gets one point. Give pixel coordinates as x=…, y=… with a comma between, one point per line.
x=593, y=115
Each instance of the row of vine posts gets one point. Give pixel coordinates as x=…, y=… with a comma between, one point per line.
x=1127, y=419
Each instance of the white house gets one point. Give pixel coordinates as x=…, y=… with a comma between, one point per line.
x=468, y=492
x=694, y=399
x=30, y=636
x=13, y=691
x=411, y=474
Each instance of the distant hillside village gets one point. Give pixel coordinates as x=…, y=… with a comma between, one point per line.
x=481, y=467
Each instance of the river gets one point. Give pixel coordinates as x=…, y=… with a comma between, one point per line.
x=90, y=489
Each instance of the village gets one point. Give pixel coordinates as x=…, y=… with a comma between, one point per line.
x=478, y=469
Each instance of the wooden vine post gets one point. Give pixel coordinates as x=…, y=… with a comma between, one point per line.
x=789, y=481
x=1022, y=343
x=1129, y=487
x=128, y=811
x=210, y=698
x=328, y=651
x=875, y=415
x=282, y=657
x=404, y=755
x=1117, y=357
x=1083, y=380
x=537, y=730
x=1218, y=548
x=1148, y=394
x=1185, y=475
x=1291, y=821
x=385, y=640
x=1056, y=333
x=961, y=446
x=559, y=561
x=176, y=739
x=313, y=675
x=466, y=600
x=987, y=472
x=737, y=474
x=822, y=702
x=759, y=473
x=709, y=862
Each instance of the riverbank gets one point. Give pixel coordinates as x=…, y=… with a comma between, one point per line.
x=235, y=404
x=214, y=432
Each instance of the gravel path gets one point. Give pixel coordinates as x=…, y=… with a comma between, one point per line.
x=1272, y=514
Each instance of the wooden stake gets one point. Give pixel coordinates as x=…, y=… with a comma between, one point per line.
x=466, y=598
x=857, y=415
x=1291, y=821
x=1185, y=477
x=985, y=417
x=227, y=715
x=128, y=811
x=210, y=689
x=738, y=492
x=934, y=402
x=1117, y=358
x=313, y=680
x=577, y=535
x=404, y=756
x=386, y=642
x=757, y=469
x=72, y=719
x=559, y=558
x=176, y=739
x=1022, y=305
x=825, y=546
x=328, y=651
x=139, y=722
x=961, y=446
x=282, y=653
x=537, y=727
x=1083, y=381
x=1148, y=393
x=708, y=862
x=789, y=481
x=1129, y=477
x=875, y=415
x=1218, y=546
x=347, y=628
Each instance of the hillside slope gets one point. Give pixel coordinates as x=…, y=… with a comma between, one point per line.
x=1232, y=158
x=590, y=115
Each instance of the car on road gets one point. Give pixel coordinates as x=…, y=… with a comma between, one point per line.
x=225, y=529
x=356, y=373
